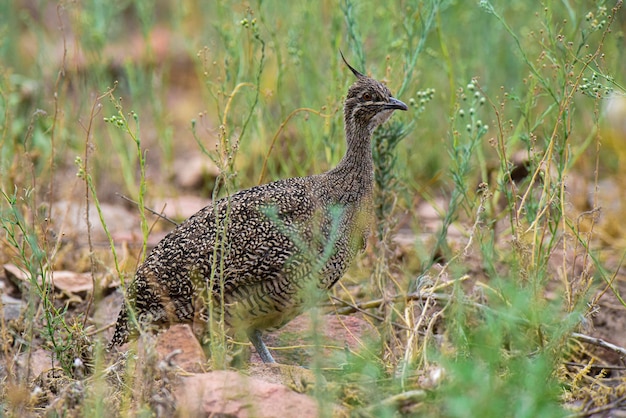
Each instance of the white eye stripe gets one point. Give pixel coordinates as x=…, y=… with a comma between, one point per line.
x=354, y=111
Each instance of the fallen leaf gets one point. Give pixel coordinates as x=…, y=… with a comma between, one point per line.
x=63, y=280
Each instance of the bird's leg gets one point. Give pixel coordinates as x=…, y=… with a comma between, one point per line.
x=255, y=338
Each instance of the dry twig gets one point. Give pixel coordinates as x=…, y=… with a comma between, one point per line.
x=599, y=342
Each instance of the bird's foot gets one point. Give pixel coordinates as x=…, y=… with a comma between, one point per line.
x=255, y=338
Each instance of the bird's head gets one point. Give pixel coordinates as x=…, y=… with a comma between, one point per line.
x=369, y=102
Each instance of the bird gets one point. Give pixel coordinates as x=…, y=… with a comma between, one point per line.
x=258, y=257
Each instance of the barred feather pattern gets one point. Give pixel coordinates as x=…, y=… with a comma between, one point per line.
x=260, y=252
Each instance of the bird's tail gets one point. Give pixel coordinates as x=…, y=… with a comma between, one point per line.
x=122, y=329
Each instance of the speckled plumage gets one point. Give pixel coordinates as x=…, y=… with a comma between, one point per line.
x=262, y=250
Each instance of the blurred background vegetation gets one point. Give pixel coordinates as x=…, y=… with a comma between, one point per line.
x=174, y=63
x=514, y=140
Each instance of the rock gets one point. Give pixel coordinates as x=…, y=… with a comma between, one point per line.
x=11, y=307
x=33, y=364
x=334, y=333
x=68, y=220
x=179, y=338
x=294, y=377
x=181, y=207
x=228, y=393
x=195, y=172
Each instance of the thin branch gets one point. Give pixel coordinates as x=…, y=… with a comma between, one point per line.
x=599, y=342
x=351, y=308
x=608, y=407
x=359, y=307
x=404, y=398
x=85, y=169
x=593, y=366
x=152, y=211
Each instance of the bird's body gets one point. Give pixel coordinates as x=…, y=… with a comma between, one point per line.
x=261, y=254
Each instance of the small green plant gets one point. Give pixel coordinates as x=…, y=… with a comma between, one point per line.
x=504, y=357
x=24, y=242
x=232, y=129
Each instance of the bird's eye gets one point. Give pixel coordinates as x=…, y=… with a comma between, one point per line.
x=367, y=97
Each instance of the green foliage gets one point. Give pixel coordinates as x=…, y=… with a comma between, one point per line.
x=505, y=354
x=31, y=258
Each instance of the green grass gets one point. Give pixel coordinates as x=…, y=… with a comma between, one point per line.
x=257, y=87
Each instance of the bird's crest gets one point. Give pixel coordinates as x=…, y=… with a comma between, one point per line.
x=355, y=72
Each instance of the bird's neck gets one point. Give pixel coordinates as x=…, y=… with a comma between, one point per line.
x=356, y=169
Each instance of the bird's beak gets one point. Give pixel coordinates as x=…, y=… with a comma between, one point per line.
x=395, y=104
